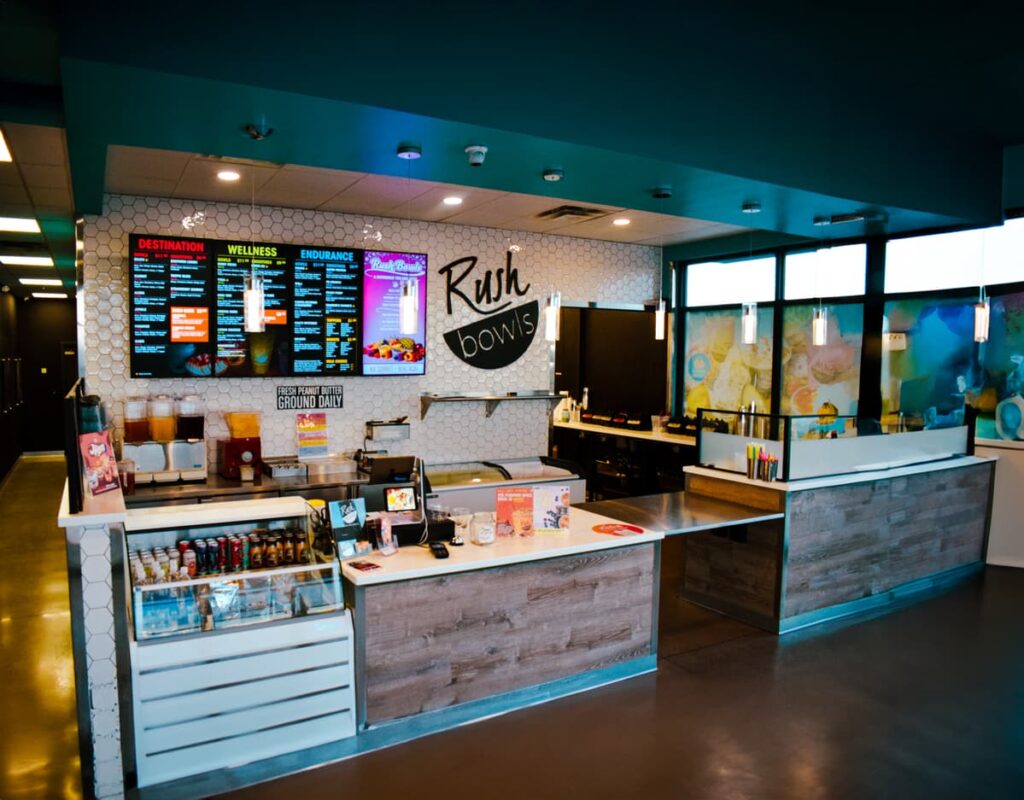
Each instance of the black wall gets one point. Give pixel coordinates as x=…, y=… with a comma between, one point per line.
x=10, y=418
x=614, y=354
x=46, y=342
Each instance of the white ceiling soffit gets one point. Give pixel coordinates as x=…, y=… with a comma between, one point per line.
x=166, y=173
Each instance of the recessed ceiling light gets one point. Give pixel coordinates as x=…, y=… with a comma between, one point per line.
x=5, y=151
x=751, y=207
x=19, y=225
x=554, y=174
x=51, y=295
x=620, y=221
x=228, y=175
x=40, y=282
x=26, y=261
x=409, y=152
x=453, y=201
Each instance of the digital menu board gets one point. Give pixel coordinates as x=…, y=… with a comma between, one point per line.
x=170, y=300
x=328, y=310
x=386, y=278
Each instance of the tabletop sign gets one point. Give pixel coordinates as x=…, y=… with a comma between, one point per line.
x=299, y=398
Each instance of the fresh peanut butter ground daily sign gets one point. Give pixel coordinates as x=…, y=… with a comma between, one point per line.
x=505, y=330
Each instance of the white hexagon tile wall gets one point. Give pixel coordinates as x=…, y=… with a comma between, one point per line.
x=582, y=269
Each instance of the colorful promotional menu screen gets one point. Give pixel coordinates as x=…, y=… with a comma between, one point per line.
x=327, y=310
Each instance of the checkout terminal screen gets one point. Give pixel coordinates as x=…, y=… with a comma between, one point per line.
x=400, y=498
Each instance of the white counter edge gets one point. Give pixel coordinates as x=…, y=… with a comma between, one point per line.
x=842, y=480
x=650, y=436
x=220, y=513
x=554, y=545
x=103, y=510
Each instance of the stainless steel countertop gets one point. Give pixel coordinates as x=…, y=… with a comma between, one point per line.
x=677, y=512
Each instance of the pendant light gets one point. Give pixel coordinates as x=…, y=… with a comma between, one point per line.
x=819, y=326
x=253, y=297
x=981, y=316
x=409, y=308
x=552, y=313
x=659, y=320
x=748, y=323
x=819, y=321
x=981, y=308
x=748, y=318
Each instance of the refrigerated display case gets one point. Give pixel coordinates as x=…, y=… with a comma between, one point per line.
x=472, y=484
x=240, y=660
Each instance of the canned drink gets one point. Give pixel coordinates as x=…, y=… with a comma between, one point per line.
x=255, y=551
x=223, y=554
x=202, y=558
x=183, y=547
x=212, y=556
x=236, y=554
x=244, y=541
x=188, y=562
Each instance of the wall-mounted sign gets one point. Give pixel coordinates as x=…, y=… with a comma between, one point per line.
x=505, y=331
x=297, y=398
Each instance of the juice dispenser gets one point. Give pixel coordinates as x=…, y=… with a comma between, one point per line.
x=190, y=418
x=161, y=418
x=241, y=456
x=136, y=420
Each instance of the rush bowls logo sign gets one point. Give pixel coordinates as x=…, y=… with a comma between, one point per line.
x=505, y=331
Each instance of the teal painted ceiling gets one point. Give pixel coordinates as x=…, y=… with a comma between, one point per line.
x=810, y=110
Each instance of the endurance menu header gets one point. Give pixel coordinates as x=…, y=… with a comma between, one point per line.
x=322, y=305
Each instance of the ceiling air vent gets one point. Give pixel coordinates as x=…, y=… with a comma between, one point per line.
x=576, y=212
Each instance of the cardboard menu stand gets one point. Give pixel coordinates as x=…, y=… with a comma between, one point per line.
x=99, y=464
x=525, y=510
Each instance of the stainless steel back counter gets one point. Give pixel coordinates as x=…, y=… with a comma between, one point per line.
x=216, y=488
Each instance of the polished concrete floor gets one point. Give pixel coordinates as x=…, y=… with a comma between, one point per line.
x=925, y=702
x=38, y=730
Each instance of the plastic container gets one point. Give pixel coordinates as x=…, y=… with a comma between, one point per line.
x=190, y=416
x=483, y=528
x=161, y=419
x=91, y=416
x=243, y=424
x=136, y=420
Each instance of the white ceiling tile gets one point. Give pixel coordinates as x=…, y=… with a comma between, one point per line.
x=304, y=187
x=36, y=144
x=52, y=200
x=378, y=195
x=139, y=170
x=199, y=180
x=45, y=176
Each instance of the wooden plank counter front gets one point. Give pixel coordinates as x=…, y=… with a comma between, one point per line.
x=500, y=626
x=845, y=545
x=437, y=642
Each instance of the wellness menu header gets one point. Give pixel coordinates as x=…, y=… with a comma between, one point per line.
x=326, y=310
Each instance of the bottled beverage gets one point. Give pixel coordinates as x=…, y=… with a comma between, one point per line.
x=255, y=551
x=91, y=416
x=288, y=549
x=190, y=419
x=161, y=419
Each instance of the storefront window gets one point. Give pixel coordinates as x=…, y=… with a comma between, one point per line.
x=1000, y=403
x=714, y=283
x=826, y=377
x=989, y=256
x=929, y=361
x=829, y=272
x=722, y=372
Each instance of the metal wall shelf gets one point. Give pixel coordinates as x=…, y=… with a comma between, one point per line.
x=491, y=401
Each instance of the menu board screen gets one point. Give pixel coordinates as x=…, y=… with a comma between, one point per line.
x=323, y=309
x=170, y=300
x=394, y=285
x=328, y=293
x=241, y=354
